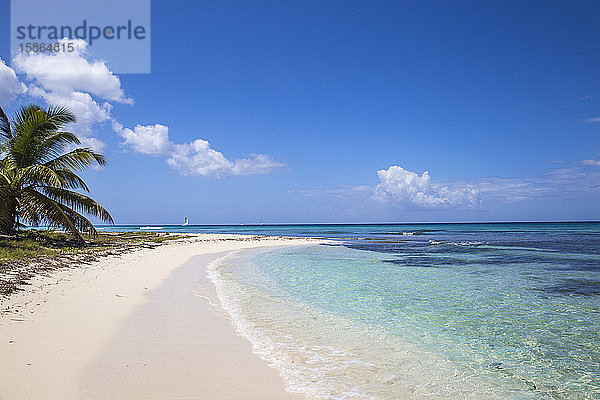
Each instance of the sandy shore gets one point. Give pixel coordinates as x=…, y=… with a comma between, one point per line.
x=143, y=325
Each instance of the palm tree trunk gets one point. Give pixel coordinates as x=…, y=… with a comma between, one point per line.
x=8, y=217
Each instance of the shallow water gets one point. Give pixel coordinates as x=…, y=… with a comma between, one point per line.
x=485, y=311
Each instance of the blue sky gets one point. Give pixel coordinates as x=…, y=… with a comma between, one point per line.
x=496, y=101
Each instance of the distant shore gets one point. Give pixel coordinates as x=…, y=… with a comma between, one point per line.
x=130, y=326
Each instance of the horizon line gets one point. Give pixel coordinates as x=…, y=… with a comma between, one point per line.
x=363, y=223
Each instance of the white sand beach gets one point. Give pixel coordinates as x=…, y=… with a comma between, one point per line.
x=133, y=327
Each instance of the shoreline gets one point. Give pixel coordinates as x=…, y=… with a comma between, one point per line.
x=58, y=335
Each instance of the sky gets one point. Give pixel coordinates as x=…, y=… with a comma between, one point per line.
x=338, y=112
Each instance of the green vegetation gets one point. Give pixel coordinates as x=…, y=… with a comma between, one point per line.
x=23, y=249
x=38, y=180
x=32, y=245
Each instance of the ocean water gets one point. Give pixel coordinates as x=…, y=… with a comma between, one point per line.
x=482, y=311
x=464, y=311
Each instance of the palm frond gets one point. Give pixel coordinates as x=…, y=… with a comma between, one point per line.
x=40, y=175
x=42, y=207
x=81, y=223
x=60, y=116
x=5, y=133
x=6, y=171
x=77, y=159
x=55, y=144
x=71, y=180
x=29, y=131
x=78, y=202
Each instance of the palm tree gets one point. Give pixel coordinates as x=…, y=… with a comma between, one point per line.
x=38, y=180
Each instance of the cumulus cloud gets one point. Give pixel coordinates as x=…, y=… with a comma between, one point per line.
x=399, y=187
x=71, y=79
x=402, y=187
x=150, y=139
x=10, y=87
x=198, y=158
x=65, y=72
x=88, y=88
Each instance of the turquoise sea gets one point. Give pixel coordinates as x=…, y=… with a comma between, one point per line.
x=465, y=311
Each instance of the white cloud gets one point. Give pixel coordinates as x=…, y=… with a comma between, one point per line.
x=10, y=86
x=87, y=87
x=151, y=139
x=197, y=158
x=592, y=120
x=65, y=72
x=595, y=163
x=72, y=80
x=402, y=187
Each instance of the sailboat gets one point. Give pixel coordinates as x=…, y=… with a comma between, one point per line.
x=186, y=222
